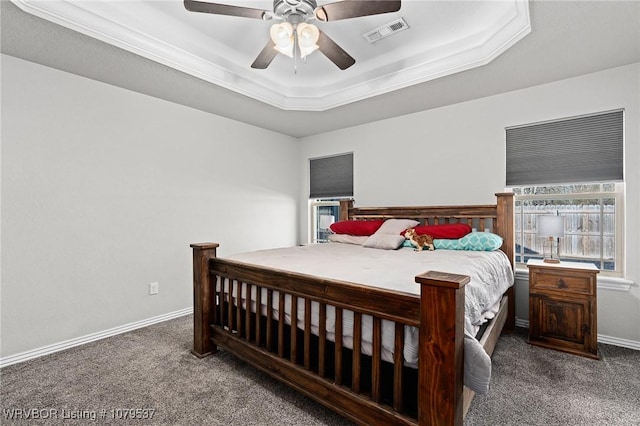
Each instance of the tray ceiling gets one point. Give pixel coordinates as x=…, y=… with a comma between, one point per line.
x=443, y=38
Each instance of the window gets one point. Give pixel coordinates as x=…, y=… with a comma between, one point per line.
x=593, y=222
x=571, y=167
x=330, y=179
x=323, y=214
x=575, y=150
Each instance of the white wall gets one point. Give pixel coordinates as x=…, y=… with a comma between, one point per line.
x=103, y=190
x=456, y=155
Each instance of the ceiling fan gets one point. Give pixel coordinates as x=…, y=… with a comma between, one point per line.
x=295, y=35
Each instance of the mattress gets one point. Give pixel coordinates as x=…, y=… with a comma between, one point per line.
x=490, y=276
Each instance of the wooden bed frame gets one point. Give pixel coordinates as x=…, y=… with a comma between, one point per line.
x=355, y=386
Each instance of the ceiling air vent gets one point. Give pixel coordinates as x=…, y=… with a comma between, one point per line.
x=386, y=30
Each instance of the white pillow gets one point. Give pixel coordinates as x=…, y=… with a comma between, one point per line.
x=384, y=241
x=396, y=226
x=347, y=239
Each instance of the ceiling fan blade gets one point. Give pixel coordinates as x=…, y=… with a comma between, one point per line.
x=265, y=56
x=335, y=53
x=224, y=9
x=354, y=8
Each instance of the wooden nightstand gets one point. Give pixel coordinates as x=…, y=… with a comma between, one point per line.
x=563, y=307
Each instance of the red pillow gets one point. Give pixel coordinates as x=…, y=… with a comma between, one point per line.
x=361, y=228
x=449, y=231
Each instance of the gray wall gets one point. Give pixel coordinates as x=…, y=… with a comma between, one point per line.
x=103, y=190
x=456, y=155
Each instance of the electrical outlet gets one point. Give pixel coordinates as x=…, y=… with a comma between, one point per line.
x=153, y=288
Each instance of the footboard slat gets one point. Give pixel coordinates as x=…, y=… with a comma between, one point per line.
x=398, y=358
x=338, y=345
x=376, y=360
x=322, y=339
x=269, y=343
x=247, y=318
x=257, y=321
x=294, y=336
x=307, y=334
x=230, y=306
x=239, y=323
x=357, y=348
x=223, y=304
x=281, y=324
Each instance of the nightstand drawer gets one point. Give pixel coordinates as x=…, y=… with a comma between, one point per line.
x=561, y=281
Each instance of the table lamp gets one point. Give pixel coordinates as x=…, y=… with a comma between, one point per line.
x=325, y=221
x=552, y=228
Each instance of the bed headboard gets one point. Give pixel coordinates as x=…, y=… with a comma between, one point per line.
x=497, y=218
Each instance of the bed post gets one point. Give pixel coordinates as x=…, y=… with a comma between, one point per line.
x=504, y=223
x=345, y=205
x=202, y=299
x=441, y=346
x=505, y=228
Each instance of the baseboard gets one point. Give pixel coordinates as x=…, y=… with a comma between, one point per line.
x=67, y=344
x=607, y=340
x=616, y=341
x=522, y=323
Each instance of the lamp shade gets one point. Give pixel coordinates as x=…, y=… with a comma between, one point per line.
x=550, y=226
x=326, y=221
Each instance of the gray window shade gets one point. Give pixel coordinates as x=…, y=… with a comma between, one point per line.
x=583, y=149
x=331, y=177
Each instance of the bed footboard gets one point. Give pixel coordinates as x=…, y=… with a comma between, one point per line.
x=316, y=366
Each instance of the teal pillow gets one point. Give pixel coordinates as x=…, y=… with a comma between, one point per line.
x=476, y=241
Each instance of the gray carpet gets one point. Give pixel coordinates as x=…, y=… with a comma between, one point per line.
x=152, y=369
x=536, y=386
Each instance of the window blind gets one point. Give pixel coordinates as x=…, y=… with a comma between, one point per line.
x=331, y=177
x=583, y=149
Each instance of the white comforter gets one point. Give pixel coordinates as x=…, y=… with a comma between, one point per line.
x=490, y=273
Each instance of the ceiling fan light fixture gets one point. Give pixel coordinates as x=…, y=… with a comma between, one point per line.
x=282, y=37
x=308, y=36
x=295, y=37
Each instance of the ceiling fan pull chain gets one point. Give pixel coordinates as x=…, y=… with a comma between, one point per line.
x=295, y=50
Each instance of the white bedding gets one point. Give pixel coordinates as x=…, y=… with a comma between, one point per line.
x=490, y=272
